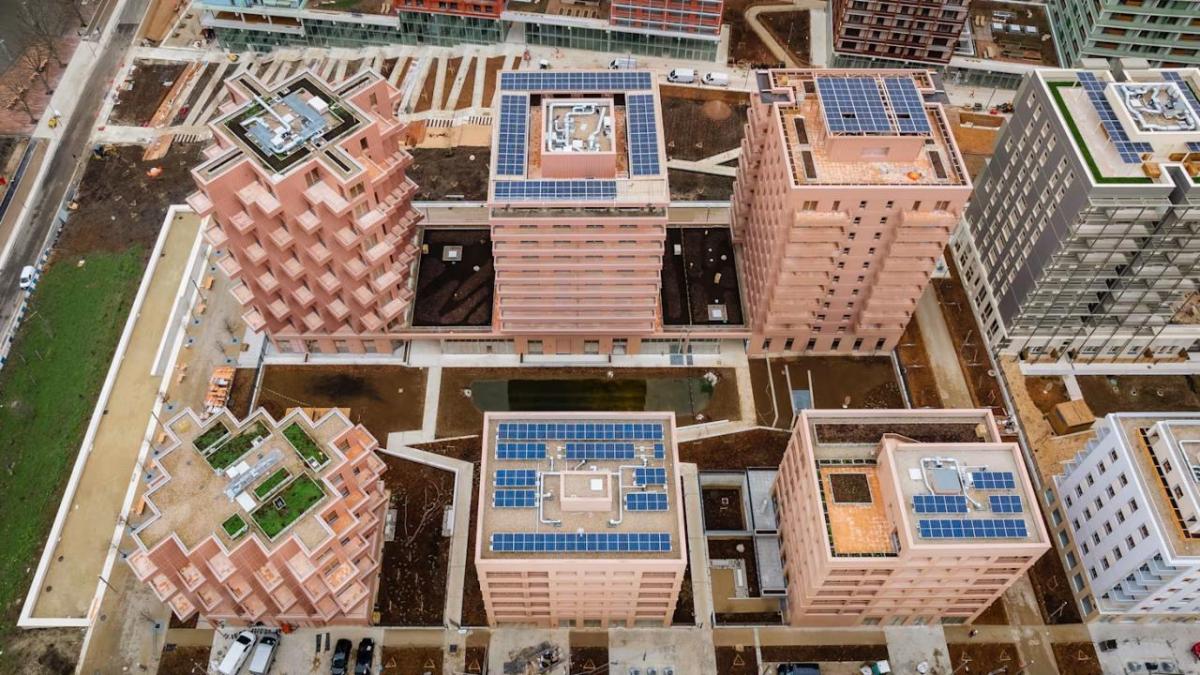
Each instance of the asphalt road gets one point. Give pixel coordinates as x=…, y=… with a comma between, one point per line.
x=71, y=152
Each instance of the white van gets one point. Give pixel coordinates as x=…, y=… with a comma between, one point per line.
x=682, y=75
x=264, y=655
x=623, y=63
x=716, y=79
x=238, y=651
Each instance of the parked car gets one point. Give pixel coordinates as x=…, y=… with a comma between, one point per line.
x=340, y=663
x=1196, y=651
x=716, y=79
x=681, y=76
x=28, y=277
x=365, y=658
x=263, y=656
x=238, y=651
x=623, y=63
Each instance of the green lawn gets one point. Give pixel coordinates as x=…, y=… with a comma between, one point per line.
x=270, y=483
x=305, y=445
x=48, y=390
x=232, y=450
x=298, y=497
x=234, y=526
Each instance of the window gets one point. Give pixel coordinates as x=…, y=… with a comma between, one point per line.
x=809, y=206
x=591, y=346
x=534, y=347
x=1133, y=506
x=1144, y=531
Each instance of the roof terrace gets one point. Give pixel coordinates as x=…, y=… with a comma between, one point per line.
x=1155, y=443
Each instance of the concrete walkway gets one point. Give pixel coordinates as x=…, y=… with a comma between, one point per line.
x=776, y=49
x=77, y=557
x=952, y=386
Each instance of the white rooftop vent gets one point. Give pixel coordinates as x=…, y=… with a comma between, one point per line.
x=452, y=253
x=717, y=313
x=597, y=484
x=318, y=104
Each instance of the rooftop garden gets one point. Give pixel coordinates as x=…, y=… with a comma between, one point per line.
x=233, y=449
x=1079, y=142
x=211, y=437
x=287, y=506
x=234, y=526
x=273, y=481
x=309, y=451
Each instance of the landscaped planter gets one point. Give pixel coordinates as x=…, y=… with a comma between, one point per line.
x=208, y=439
x=268, y=486
x=234, y=526
x=309, y=451
x=229, y=452
x=288, y=505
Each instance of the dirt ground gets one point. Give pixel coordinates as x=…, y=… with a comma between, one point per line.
x=412, y=583
x=151, y=82
x=696, y=129
x=455, y=293
x=452, y=66
x=976, y=142
x=994, y=658
x=1077, y=658
x=467, y=94
x=685, y=606
x=761, y=448
x=922, y=433
x=458, y=415
x=730, y=661
x=490, y=76
x=824, y=653
x=410, y=660
x=589, y=661
x=440, y=173
x=8, y=147
x=964, y=331
x=1053, y=591
x=837, y=381
x=381, y=398
x=184, y=661
x=475, y=660
x=241, y=391
x=699, y=187
x=1046, y=392
x=1141, y=393
x=425, y=99
x=791, y=29
x=918, y=373
x=994, y=615
x=47, y=651
x=726, y=549
x=115, y=190
x=689, y=281
x=722, y=508
x=744, y=45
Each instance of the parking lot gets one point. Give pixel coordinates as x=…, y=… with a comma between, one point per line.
x=307, y=650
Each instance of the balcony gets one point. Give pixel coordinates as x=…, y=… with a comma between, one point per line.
x=242, y=293
x=191, y=576
x=301, y=567
x=278, y=309
x=221, y=566
x=319, y=253
x=378, y=252
x=369, y=219
x=339, y=309
x=329, y=282
x=242, y=222
x=182, y=607
x=356, y=268
x=309, y=221
x=254, y=320
x=163, y=587
x=255, y=254
x=268, y=576
x=352, y=596
x=200, y=203
x=255, y=194
x=347, y=237
x=313, y=321
x=364, y=296
x=293, y=268
x=304, y=296
x=320, y=193
x=393, y=309
x=284, y=598
x=215, y=236
x=268, y=282
x=371, y=321
x=282, y=238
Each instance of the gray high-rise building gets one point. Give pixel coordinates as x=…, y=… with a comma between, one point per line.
x=1083, y=235
x=1164, y=32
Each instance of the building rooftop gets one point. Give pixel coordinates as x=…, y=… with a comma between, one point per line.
x=1128, y=126
x=863, y=127
x=593, y=485
x=578, y=139
x=907, y=481
x=1181, y=433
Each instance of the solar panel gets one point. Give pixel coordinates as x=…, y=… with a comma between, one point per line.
x=649, y=475
x=516, y=477
x=993, y=480
x=537, y=190
x=1005, y=503
x=907, y=105
x=939, y=503
x=660, y=452
x=583, y=431
x=646, y=501
x=1128, y=150
x=643, y=135
x=584, y=542
x=599, y=450
x=968, y=528
x=567, y=81
x=514, y=137
x=853, y=105
x=514, y=499
x=520, y=451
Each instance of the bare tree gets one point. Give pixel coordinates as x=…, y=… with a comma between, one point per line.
x=19, y=93
x=44, y=25
x=35, y=58
x=77, y=8
x=432, y=505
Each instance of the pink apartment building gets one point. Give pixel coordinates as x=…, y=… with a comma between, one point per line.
x=892, y=517
x=578, y=210
x=847, y=190
x=259, y=520
x=580, y=519
x=307, y=191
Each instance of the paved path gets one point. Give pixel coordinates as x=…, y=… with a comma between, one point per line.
x=943, y=358
x=765, y=35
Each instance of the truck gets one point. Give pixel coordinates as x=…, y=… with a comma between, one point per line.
x=716, y=79
x=681, y=76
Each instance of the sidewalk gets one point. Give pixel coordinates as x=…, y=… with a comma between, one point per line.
x=943, y=357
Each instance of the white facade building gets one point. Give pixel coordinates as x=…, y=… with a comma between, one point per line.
x=1127, y=516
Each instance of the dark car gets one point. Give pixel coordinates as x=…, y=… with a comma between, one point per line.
x=365, y=658
x=340, y=664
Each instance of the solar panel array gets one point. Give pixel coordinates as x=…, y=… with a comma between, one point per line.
x=939, y=503
x=536, y=190
x=591, y=542
x=643, y=135
x=582, y=82
x=980, y=528
x=660, y=452
x=993, y=480
x=514, y=499
x=853, y=105
x=580, y=431
x=516, y=477
x=1192, y=101
x=599, y=450
x=907, y=105
x=1005, y=503
x=646, y=501
x=649, y=475
x=514, y=135
x=1128, y=150
x=520, y=451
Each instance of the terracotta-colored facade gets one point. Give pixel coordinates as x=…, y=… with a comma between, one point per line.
x=478, y=8
x=672, y=16
x=212, y=541
x=320, y=235
x=841, y=227
x=577, y=498
x=913, y=30
x=857, y=549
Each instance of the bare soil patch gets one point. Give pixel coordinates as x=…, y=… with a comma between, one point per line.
x=1046, y=392
x=448, y=84
x=1143, y=393
x=475, y=660
x=410, y=660
x=381, y=398
x=792, y=31
x=44, y=651
x=589, y=661
x=458, y=292
x=184, y=661
x=730, y=661
x=412, y=580
x=996, y=658
x=1052, y=589
x=917, y=369
x=696, y=129
x=699, y=187
x=704, y=275
x=685, y=606
x=823, y=653
x=491, y=75
x=461, y=172
x=994, y=615
x=850, y=488
x=836, y=381
x=241, y=392
x=722, y=508
x=754, y=448
x=425, y=99
x=1077, y=658
x=466, y=96
x=922, y=433
x=149, y=85
x=745, y=47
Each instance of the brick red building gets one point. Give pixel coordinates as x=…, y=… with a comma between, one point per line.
x=912, y=30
